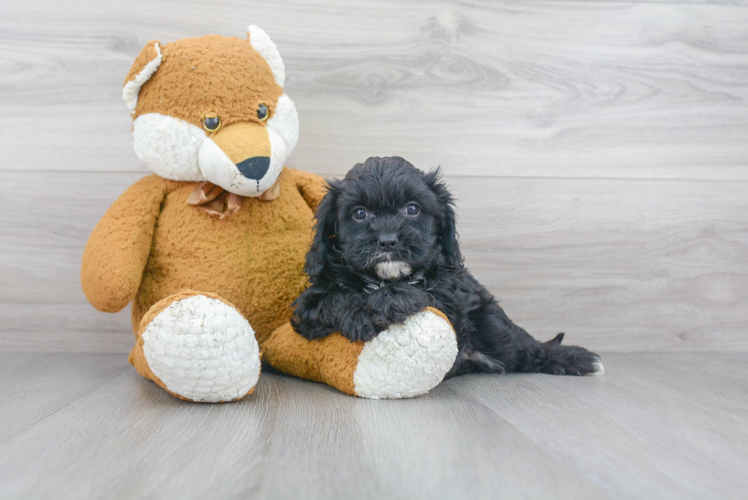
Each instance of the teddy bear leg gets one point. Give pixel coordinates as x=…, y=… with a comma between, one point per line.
x=404, y=361
x=198, y=347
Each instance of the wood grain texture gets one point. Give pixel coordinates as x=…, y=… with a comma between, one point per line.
x=667, y=425
x=443, y=446
x=619, y=265
x=586, y=142
x=32, y=390
x=63, y=327
x=715, y=2
x=661, y=418
x=488, y=88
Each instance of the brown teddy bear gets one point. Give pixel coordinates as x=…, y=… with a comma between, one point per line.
x=210, y=248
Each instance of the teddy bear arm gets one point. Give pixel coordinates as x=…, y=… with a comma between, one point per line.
x=312, y=187
x=118, y=248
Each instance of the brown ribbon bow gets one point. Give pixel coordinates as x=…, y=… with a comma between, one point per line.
x=215, y=200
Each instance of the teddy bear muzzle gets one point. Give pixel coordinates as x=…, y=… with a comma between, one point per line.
x=244, y=158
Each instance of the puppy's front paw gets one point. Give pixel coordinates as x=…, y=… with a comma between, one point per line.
x=310, y=330
x=359, y=326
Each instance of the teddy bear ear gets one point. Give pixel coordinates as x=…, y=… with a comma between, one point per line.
x=142, y=69
x=262, y=43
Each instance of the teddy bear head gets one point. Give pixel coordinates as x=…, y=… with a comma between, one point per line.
x=213, y=109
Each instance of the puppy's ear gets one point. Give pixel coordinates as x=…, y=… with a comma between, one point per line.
x=324, y=232
x=447, y=219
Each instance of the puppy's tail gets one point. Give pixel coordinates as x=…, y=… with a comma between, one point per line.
x=555, y=340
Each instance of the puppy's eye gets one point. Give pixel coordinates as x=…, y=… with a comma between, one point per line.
x=412, y=209
x=262, y=112
x=211, y=123
x=360, y=214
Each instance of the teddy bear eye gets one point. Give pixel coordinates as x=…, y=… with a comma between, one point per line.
x=360, y=214
x=412, y=209
x=262, y=112
x=211, y=123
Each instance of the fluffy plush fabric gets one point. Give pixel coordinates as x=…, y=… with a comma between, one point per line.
x=119, y=246
x=285, y=122
x=151, y=244
x=222, y=156
x=403, y=361
x=331, y=360
x=168, y=146
x=170, y=93
x=385, y=248
x=147, y=63
x=262, y=43
x=210, y=74
x=198, y=347
x=408, y=359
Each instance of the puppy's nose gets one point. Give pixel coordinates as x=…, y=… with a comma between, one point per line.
x=387, y=241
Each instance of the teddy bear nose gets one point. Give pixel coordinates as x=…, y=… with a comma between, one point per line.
x=255, y=167
x=387, y=241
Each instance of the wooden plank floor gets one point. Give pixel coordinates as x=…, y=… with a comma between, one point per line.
x=664, y=425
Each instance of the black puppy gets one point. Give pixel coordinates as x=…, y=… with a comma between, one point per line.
x=385, y=248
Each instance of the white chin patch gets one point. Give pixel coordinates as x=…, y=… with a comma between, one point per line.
x=391, y=270
x=217, y=168
x=168, y=146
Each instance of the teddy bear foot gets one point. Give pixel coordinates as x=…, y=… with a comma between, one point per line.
x=198, y=347
x=404, y=361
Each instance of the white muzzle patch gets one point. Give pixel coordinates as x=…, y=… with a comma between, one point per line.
x=391, y=270
x=218, y=168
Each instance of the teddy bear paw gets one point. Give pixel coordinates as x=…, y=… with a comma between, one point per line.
x=202, y=349
x=408, y=359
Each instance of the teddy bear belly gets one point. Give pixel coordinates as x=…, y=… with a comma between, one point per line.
x=253, y=259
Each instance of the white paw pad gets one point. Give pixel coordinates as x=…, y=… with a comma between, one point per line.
x=406, y=360
x=202, y=349
x=599, y=368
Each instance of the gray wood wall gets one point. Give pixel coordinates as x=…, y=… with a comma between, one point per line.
x=598, y=149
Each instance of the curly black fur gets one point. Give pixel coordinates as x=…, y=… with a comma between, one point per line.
x=368, y=273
